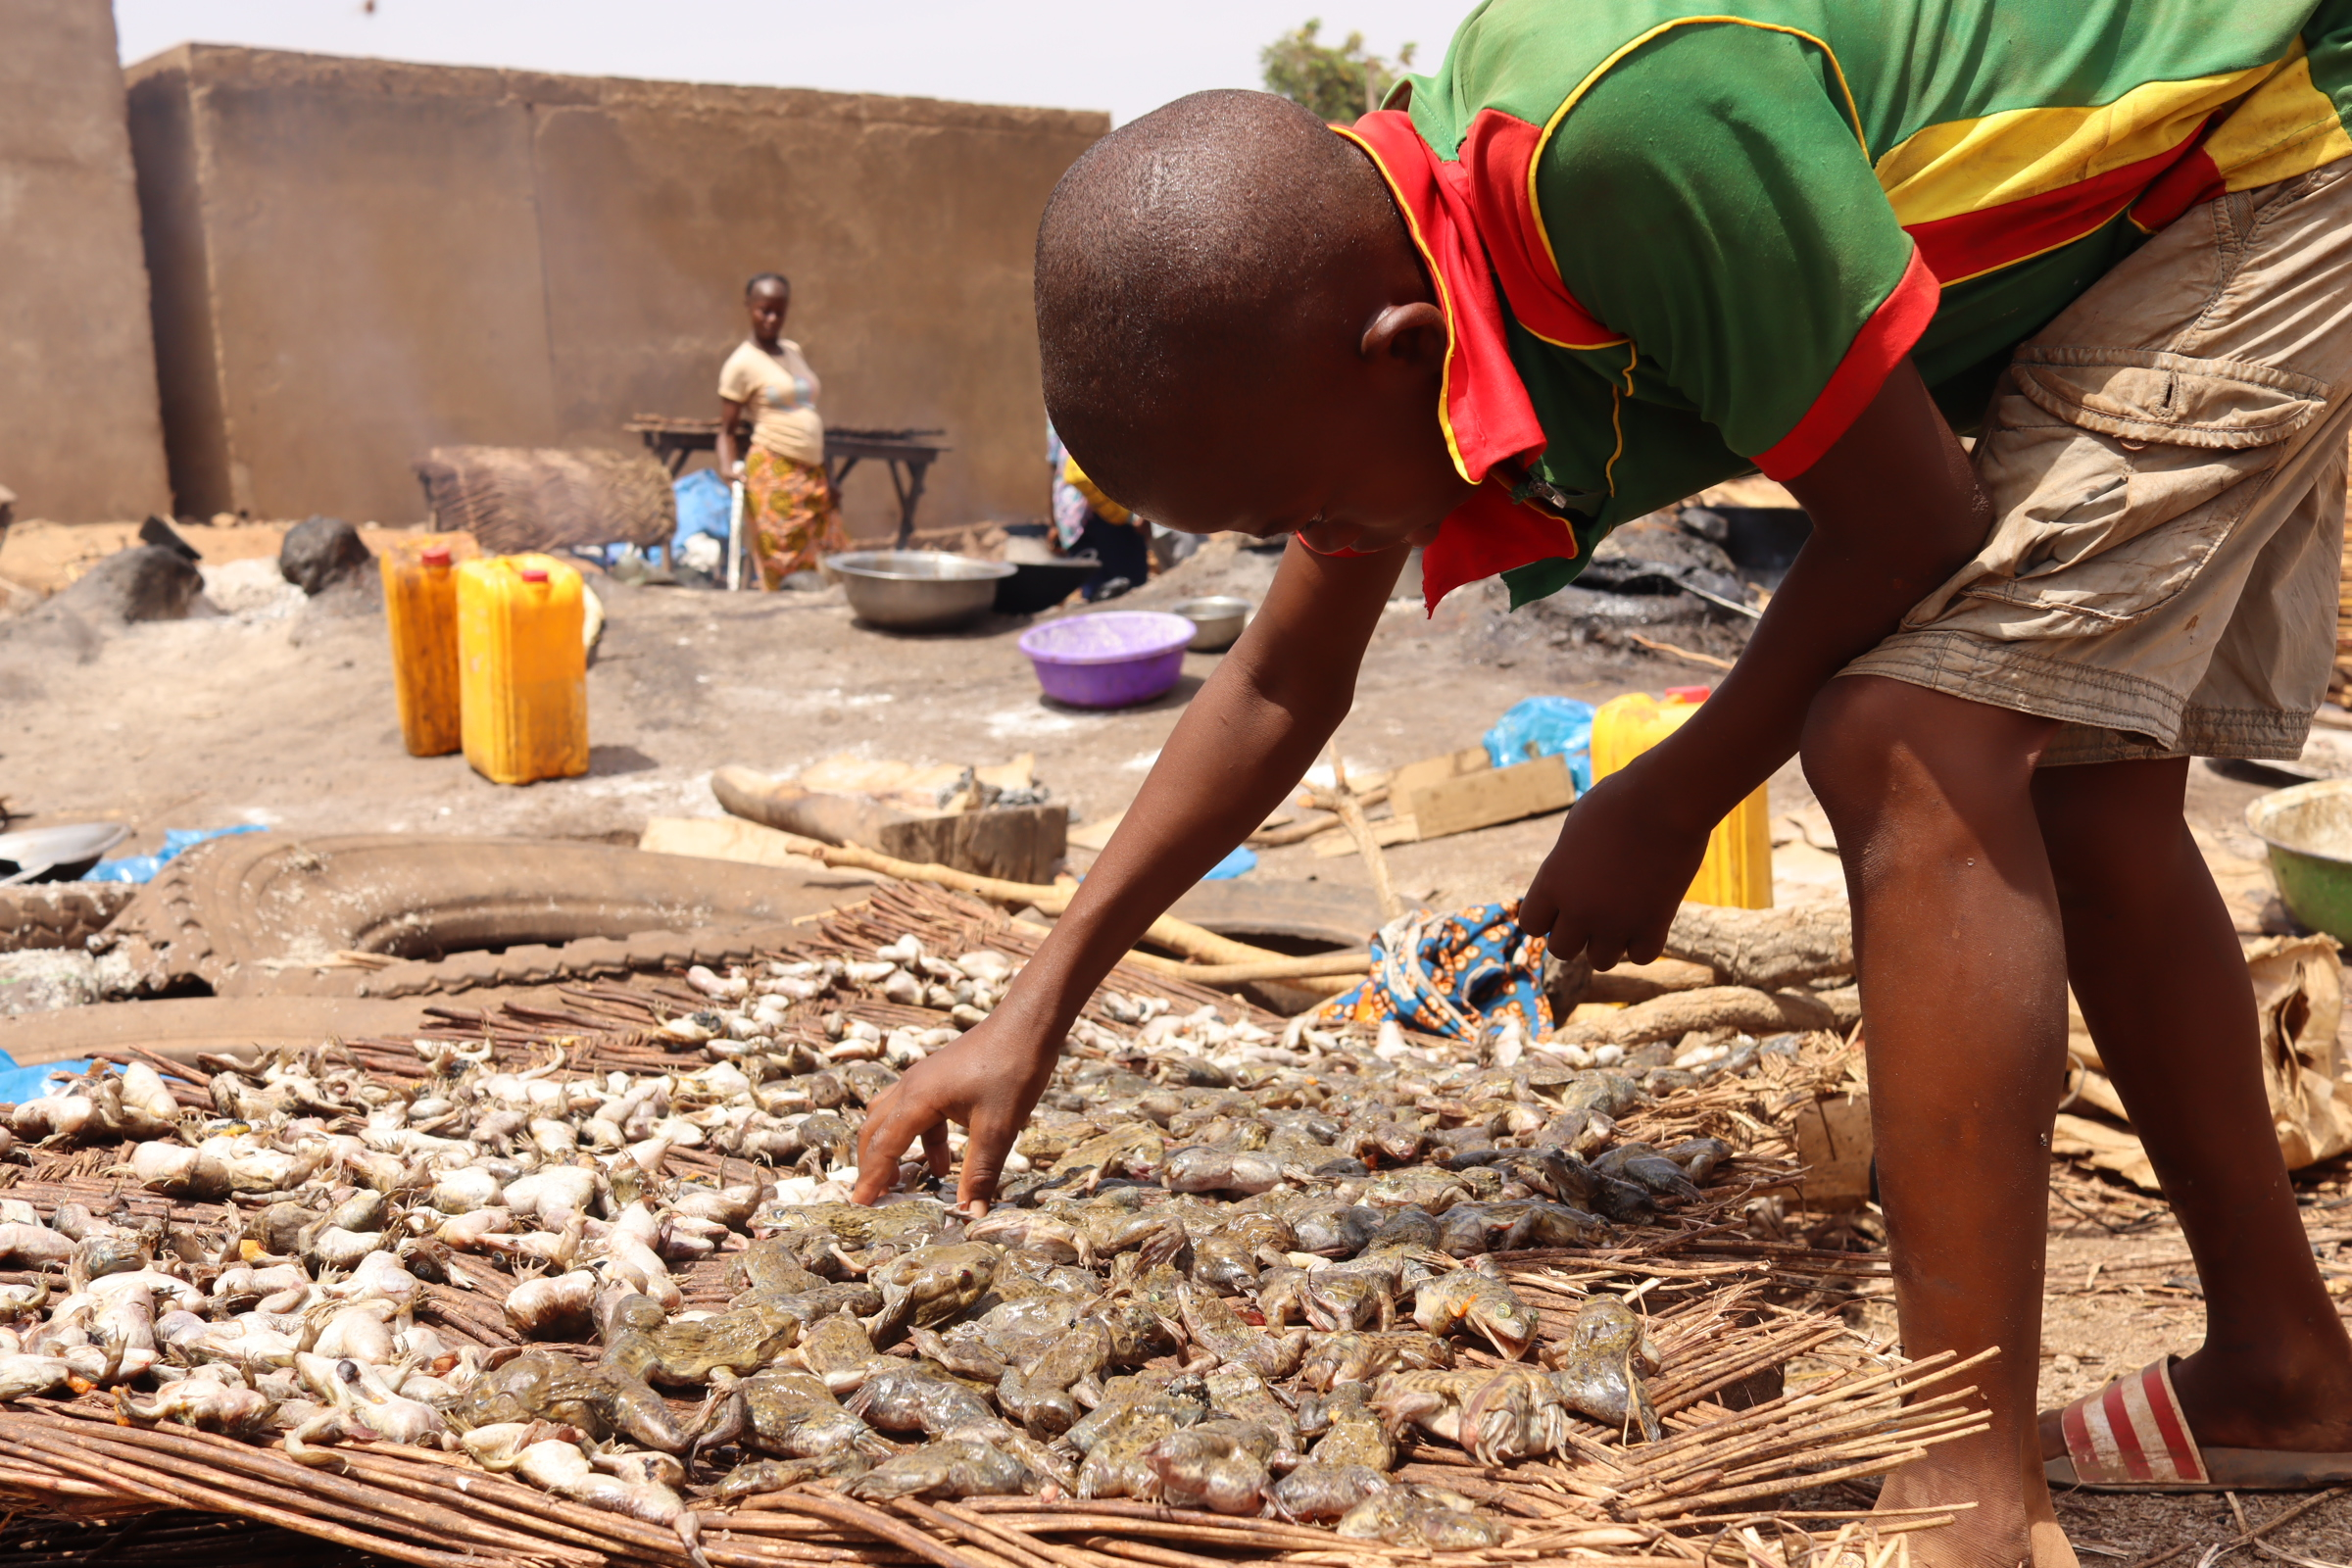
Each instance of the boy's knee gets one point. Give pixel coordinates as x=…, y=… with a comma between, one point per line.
x=1870, y=742
x=1855, y=731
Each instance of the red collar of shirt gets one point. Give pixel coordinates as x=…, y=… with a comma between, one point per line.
x=1490, y=423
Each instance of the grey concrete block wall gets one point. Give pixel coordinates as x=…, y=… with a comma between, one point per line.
x=363, y=258
x=79, y=433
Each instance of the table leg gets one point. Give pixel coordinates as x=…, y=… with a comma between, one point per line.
x=911, y=492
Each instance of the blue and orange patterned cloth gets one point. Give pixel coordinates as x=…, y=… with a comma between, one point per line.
x=1455, y=975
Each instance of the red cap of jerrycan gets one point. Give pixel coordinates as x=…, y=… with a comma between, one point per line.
x=435, y=556
x=537, y=575
x=1687, y=694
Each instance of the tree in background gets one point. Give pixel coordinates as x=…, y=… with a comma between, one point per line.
x=1336, y=85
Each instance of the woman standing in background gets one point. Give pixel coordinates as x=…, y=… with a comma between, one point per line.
x=791, y=518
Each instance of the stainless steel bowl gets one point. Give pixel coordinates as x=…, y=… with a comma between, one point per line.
x=1219, y=617
x=916, y=590
x=34, y=850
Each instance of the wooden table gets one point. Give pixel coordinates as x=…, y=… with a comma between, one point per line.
x=906, y=452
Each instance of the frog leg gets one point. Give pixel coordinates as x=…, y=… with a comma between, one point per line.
x=725, y=1417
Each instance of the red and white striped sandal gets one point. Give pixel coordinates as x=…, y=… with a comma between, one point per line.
x=2131, y=1436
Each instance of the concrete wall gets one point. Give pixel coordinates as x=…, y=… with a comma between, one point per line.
x=360, y=260
x=79, y=438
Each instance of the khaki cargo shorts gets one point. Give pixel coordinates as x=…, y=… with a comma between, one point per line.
x=2167, y=463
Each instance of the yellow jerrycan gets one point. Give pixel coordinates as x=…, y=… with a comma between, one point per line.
x=420, y=607
x=1737, y=869
x=522, y=668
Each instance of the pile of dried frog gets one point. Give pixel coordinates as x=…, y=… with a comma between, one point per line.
x=1251, y=1290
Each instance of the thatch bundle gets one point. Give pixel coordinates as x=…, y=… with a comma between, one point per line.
x=546, y=498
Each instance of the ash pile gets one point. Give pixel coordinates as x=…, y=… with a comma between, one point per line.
x=1692, y=578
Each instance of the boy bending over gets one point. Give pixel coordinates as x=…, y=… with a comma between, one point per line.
x=1615, y=251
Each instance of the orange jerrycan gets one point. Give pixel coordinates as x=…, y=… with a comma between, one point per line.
x=1737, y=869
x=420, y=607
x=522, y=668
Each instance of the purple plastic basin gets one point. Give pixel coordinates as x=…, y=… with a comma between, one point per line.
x=1109, y=660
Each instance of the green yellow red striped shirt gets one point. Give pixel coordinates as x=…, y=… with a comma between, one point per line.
x=1707, y=235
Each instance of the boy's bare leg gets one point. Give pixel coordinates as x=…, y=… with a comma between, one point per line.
x=1963, y=972
x=2162, y=982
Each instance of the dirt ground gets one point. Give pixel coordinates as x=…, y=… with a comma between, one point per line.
x=279, y=711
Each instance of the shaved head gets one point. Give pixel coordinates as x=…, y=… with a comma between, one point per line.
x=1193, y=254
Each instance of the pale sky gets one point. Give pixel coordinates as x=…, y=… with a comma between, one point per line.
x=1120, y=55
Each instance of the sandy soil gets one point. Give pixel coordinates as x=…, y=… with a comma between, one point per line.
x=38, y=558
x=279, y=711
x=282, y=713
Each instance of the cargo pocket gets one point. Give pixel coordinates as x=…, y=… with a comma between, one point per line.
x=2147, y=395
x=2117, y=474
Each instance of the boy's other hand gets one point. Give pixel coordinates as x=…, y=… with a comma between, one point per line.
x=1611, y=885
x=987, y=1082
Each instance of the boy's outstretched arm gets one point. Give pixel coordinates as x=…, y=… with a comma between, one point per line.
x=1896, y=511
x=1241, y=746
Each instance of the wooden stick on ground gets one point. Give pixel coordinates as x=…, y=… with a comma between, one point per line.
x=1704, y=661
x=1309, y=827
x=1353, y=965
x=1178, y=936
x=1350, y=967
x=2249, y=1537
x=1343, y=803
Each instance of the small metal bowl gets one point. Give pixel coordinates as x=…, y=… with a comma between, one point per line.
x=916, y=590
x=1219, y=617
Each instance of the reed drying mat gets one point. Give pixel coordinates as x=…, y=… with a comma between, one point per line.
x=302, y=1295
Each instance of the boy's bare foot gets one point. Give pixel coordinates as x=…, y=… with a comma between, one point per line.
x=1992, y=1534
x=1993, y=1524
x=2050, y=1547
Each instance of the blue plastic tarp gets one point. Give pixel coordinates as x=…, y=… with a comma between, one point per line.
x=1545, y=726
x=19, y=1083
x=1241, y=862
x=142, y=868
x=706, y=503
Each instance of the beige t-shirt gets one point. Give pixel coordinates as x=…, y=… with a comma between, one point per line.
x=781, y=391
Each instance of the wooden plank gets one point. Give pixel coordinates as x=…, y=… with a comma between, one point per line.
x=1410, y=779
x=1490, y=797
x=1832, y=1137
x=1016, y=843
x=729, y=838
x=1251, y=910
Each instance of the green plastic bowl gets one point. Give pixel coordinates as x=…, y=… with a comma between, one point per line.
x=2309, y=831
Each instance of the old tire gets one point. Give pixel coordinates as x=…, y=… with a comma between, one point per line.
x=58, y=915
x=262, y=913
